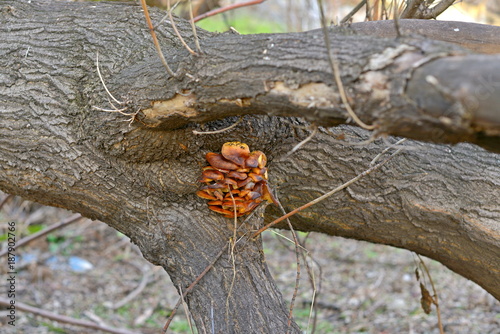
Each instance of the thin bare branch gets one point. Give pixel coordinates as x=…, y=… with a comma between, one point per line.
x=353, y=12
x=227, y=8
x=193, y=27
x=297, y=277
x=419, y=9
x=411, y=9
x=64, y=319
x=134, y=293
x=166, y=15
x=219, y=131
x=231, y=255
x=102, y=80
x=435, y=298
x=192, y=285
x=432, y=13
x=396, y=18
x=155, y=39
x=328, y=194
x=53, y=227
x=186, y=311
x=302, y=143
x=391, y=146
x=336, y=72
x=5, y=200
x=313, y=314
x=174, y=26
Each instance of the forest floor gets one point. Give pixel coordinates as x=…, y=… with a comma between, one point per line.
x=360, y=287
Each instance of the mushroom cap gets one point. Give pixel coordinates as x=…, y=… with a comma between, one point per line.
x=236, y=152
x=256, y=159
x=219, y=162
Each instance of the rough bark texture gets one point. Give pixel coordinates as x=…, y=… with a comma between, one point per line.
x=476, y=37
x=140, y=178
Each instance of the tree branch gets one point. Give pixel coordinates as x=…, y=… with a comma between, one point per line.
x=479, y=38
x=64, y=319
x=141, y=178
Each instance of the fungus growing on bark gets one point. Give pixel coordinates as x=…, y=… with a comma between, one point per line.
x=235, y=181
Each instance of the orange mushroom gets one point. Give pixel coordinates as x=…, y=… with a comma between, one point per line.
x=215, y=202
x=221, y=210
x=268, y=195
x=235, y=181
x=245, y=182
x=231, y=182
x=250, y=206
x=256, y=159
x=229, y=205
x=218, y=194
x=205, y=195
x=236, y=152
x=217, y=161
x=237, y=175
x=211, y=175
x=255, y=177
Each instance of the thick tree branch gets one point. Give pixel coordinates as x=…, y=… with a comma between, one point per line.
x=376, y=75
x=57, y=149
x=479, y=38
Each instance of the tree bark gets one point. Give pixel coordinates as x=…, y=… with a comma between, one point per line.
x=476, y=37
x=140, y=176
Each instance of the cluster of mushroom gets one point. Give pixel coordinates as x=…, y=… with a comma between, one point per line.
x=235, y=181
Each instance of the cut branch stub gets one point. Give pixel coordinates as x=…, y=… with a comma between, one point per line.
x=235, y=181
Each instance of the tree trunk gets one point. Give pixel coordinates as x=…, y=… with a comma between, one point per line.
x=138, y=173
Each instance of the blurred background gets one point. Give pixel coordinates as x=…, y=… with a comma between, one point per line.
x=86, y=270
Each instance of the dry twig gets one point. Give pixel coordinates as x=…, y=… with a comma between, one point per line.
x=336, y=72
x=303, y=142
x=297, y=277
x=186, y=310
x=196, y=132
x=353, y=12
x=174, y=26
x=328, y=194
x=434, y=298
x=420, y=9
x=53, y=227
x=193, y=27
x=115, y=108
x=411, y=9
x=5, y=200
x=227, y=8
x=64, y=319
x=432, y=13
x=316, y=289
x=191, y=286
x=396, y=19
x=133, y=294
x=155, y=39
x=390, y=146
x=231, y=255
x=102, y=80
